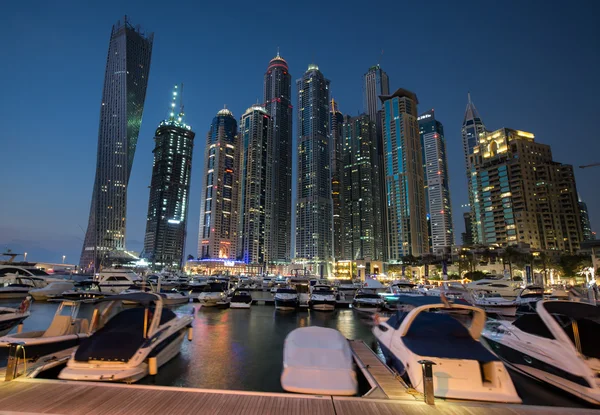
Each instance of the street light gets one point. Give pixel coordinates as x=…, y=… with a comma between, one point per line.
x=64, y=256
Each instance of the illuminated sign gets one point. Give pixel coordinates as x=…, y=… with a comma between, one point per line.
x=229, y=263
x=422, y=117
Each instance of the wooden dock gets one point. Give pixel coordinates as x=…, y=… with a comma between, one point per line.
x=67, y=397
x=392, y=386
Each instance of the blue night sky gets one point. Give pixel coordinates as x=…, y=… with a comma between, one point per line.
x=530, y=65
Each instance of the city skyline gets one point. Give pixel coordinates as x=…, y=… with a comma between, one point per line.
x=75, y=148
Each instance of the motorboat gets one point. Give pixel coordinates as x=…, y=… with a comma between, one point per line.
x=500, y=285
x=453, y=290
x=115, y=280
x=174, y=297
x=322, y=298
x=12, y=317
x=462, y=367
x=164, y=281
x=131, y=343
x=66, y=331
x=494, y=304
x=346, y=292
x=24, y=271
x=528, y=297
x=52, y=290
x=318, y=360
x=367, y=301
x=302, y=286
x=286, y=299
x=213, y=295
x=240, y=299
x=557, y=345
x=18, y=287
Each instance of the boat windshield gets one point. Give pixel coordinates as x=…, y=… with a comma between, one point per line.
x=38, y=272
x=323, y=290
x=286, y=291
x=363, y=295
x=214, y=287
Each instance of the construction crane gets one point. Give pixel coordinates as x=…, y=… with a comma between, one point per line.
x=589, y=165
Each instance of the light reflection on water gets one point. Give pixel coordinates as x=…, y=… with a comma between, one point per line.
x=231, y=349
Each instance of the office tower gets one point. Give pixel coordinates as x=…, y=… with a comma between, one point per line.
x=403, y=164
x=521, y=195
x=376, y=83
x=467, y=235
x=362, y=207
x=314, y=210
x=336, y=120
x=255, y=180
x=437, y=184
x=586, y=227
x=217, y=236
x=277, y=98
x=166, y=222
x=125, y=82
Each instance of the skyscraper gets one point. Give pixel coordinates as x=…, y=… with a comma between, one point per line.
x=362, y=207
x=166, y=222
x=403, y=163
x=278, y=103
x=217, y=237
x=314, y=210
x=521, y=195
x=472, y=128
x=586, y=227
x=255, y=180
x=437, y=183
x=336, y=120
x=376, y=83
x=123, y=96
x=467, y=235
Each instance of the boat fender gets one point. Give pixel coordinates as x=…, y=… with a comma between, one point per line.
x=190, y=333
x=376, y=319
x=152, y=366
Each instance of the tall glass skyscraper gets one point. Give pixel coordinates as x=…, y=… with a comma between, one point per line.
x=586, y=227
x=278, y=103
x=376, y=83
x=166, y=222
x=255, y=180
x=437, y=183
x=361, y=192
x=336, y=121
x=217, y=237
x=314, y=210
x=403, y=163
x=123, y=96
x=472, y=127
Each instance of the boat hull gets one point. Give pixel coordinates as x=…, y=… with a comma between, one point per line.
x=322, y=305
x=35, y=348
x=286, y=304
x=239, y=305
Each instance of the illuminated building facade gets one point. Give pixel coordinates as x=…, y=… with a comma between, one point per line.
x=255, y=180
x=403, y=164
x=336, y=120
x=166, y=222
x=278, y=103
x=437, y=184
x=314, y=212
x=360, y=191
x=586, y=227
x=520, y=195
x=123, y=96
x=217, y=236
x=375, y=84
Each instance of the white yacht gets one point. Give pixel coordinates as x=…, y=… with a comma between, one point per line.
x=115, y=280
x=120, y=351
x=301, y=285
x=557, y=345
x=463, y=368
x=318, y=360
x=286, y=299
x=322, y=298
x=367, y=301
x=213, y=295
x=174, y=297
x=23, y=270
x=16, y=286
x=500, y=285
x=241, y=299
x=52, y=290
x=494, y=303
x=66, y=331
x=346, y=292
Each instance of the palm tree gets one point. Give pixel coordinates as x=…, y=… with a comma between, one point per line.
x=512, y=255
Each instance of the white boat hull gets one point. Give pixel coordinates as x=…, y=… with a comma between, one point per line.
x=239, y=305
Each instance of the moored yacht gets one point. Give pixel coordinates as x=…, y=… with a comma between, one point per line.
x=302, y=286
x=286, y=299
x=500, y=285
x=462, y=367
x=52, y=290
x=367, y=301
x=213, y=295
x=557, y=345
x=240, y=299
x=17, y=286
x=12, y=317
x=322, y=298
x=126, y=347
x=494, y=304
x=115, y=280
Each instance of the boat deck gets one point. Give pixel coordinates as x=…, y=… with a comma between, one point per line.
x=66, y=397
x=391, y=385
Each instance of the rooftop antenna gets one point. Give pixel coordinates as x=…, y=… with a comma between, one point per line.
x=469, y=97
x=181, y=101
x=278, y=52
x=172, y=108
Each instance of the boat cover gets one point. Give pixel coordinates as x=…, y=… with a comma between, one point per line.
x=440, y=335
x=318, y=360
x=418, y=301
x=120, y=338
x=142, y=298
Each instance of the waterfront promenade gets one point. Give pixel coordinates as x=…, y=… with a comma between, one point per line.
x=67, y=397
